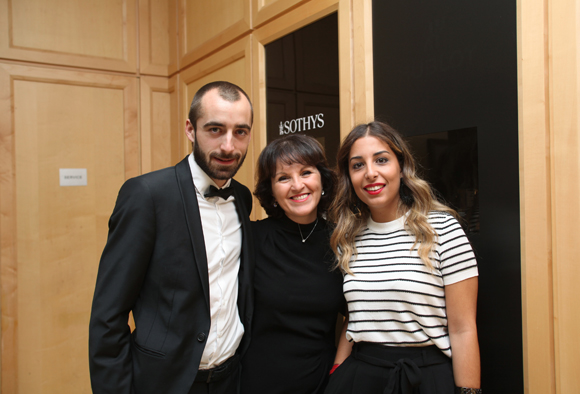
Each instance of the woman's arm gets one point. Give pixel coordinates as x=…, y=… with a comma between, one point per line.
x=344, y=346
x=461, y=304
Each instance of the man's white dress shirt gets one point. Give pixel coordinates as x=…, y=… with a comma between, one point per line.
x=222, y=233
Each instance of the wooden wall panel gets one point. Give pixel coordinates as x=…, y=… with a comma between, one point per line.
x=52, y=236
x=535, y=209
x=346, y=41
x=549, y=95
x=363, y=93
x=97, y=34
x=264, y=10
x=160, y=135
x=258, y=59
x=564, y=74
x=207, y=26
x=158, y=37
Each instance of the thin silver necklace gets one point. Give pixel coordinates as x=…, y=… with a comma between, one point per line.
x=311, y=231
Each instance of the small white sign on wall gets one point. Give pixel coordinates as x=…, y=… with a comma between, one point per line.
x=73, y=176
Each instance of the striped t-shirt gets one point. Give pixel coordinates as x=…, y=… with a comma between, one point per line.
x=393, y=297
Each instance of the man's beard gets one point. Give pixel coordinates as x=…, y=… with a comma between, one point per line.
x=216, y=171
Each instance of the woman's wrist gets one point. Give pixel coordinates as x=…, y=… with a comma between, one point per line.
x=467, y=390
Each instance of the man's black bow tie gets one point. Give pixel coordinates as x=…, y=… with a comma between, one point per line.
x=223, y=193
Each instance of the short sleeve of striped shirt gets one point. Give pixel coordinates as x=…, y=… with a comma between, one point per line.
x=453, y=251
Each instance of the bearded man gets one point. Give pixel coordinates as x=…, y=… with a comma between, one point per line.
x=179, y=257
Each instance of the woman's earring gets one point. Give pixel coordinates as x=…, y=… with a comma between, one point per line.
x=323, y=192
x=275, y=204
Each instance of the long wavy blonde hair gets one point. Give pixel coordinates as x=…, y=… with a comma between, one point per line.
x=350, y=214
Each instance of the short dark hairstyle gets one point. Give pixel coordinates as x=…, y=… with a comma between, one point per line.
x=227, y=90
x=295, y=148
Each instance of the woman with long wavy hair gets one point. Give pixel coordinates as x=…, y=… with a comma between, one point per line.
x=410, y=276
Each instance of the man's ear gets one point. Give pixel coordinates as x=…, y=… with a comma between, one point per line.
x=189, y=131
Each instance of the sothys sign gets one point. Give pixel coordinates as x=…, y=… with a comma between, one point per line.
x=302, y=124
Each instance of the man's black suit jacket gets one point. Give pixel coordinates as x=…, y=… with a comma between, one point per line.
x=155, y=264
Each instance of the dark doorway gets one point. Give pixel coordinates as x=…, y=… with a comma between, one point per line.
x=451, y=67
x=302, y=85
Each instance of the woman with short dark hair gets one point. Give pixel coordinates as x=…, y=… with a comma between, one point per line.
x=297, y=294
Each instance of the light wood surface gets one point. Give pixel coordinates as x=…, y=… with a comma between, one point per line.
x=259, y=138
x=49, y=262
x=362, y=55
x=160, y=135
x=158, y=37
x=535, y=190
x=548, y=71
x=265, y=10
x=346, y=66
x=98, y=34
x=208, y=26
x=564, y=79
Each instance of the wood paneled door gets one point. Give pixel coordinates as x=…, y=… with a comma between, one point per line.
x=52, y=235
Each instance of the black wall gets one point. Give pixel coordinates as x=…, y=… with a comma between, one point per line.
x=302, y=82
x=452, y=65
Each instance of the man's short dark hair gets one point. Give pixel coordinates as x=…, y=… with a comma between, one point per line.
x=227, y=91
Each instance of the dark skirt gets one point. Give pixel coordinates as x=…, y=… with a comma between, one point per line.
x=378, y=369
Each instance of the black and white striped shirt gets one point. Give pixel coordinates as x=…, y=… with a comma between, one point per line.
x=393, y=297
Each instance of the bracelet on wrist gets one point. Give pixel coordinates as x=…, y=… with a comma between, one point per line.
x=467, y=390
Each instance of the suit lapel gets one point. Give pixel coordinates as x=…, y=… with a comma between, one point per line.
x=243, y=215
x=193, y=219
x=245, y=290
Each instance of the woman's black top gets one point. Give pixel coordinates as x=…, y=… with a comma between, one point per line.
x=297, y=300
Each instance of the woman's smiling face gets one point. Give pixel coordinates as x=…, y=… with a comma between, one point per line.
x=297, y=189
x=375, y=174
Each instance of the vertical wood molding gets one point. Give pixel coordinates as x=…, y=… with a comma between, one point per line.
x=363, y=92
x=259, y=102
x=564, y=71
x=8, y=272
x=535, y=197
x=158, y=37
x=346, y=39
x=159, y=132
x=549, y=90
x=131, y=111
